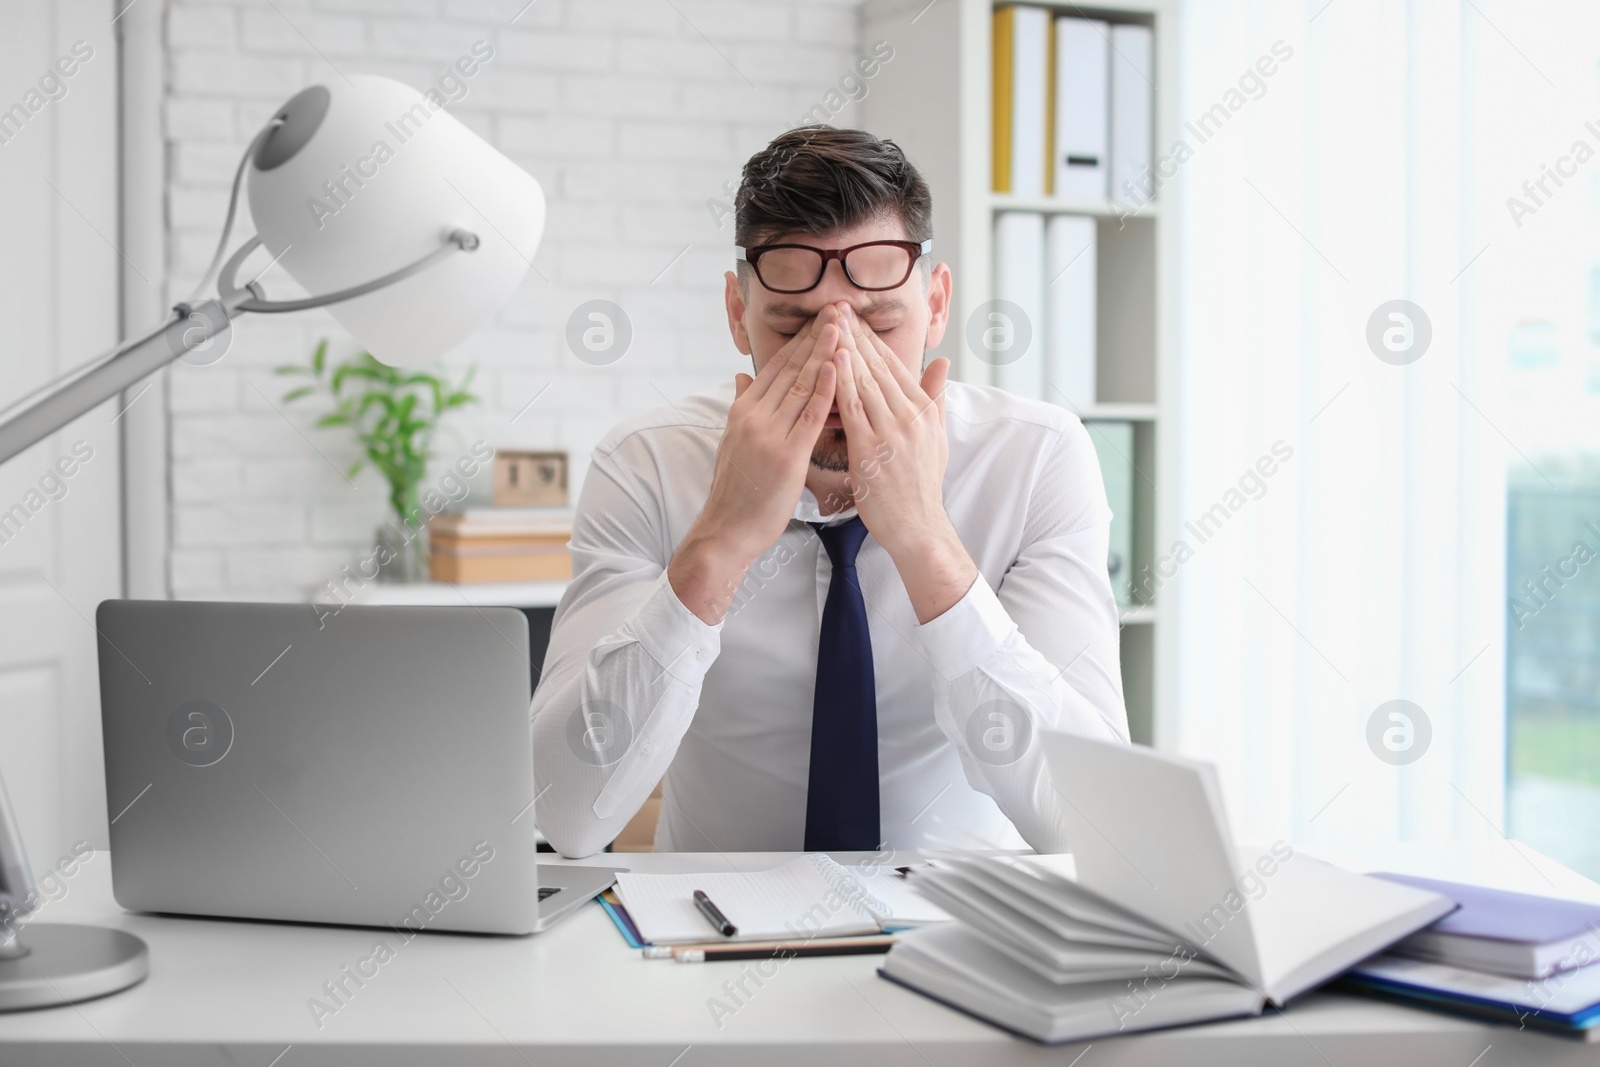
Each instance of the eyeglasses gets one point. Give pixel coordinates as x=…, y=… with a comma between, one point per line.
x=873, y=266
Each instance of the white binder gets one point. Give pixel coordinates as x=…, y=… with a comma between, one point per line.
x=1132, y=74
x=1019, y=280
x=1083, y=110
x=1030, y=72
x=1069, y=337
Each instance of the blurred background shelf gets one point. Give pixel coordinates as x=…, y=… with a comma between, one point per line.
x=1058, y=205
x=1138, y=615
x=1119, y=413
x=935, y=102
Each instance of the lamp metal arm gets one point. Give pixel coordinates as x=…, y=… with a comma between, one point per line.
x=249, y=297
x=192, y=327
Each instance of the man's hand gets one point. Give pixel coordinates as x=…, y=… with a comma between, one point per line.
x=762, y=461
x=772, y=429
x=894, y=426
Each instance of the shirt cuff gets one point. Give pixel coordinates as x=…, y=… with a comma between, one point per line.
x=972, y=629
x=670, y=632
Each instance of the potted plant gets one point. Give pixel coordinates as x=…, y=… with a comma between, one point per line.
x=393, y=413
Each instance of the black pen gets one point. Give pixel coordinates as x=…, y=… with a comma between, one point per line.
x=713, y=914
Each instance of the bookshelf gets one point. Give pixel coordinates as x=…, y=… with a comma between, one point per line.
x=1053, y=205
x=933, y=99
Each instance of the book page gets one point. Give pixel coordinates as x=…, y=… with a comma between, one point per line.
x=1316, y=919
x=795, y=901
x=885, y=893
x=1149, y=834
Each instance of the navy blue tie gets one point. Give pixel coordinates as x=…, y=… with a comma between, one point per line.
x=842, y=794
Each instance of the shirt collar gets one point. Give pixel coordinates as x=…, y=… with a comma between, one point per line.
x=809, y=510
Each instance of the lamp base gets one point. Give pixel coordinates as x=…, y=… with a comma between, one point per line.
x=67, y=963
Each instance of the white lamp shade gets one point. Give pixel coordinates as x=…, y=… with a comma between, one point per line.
x=384, y=177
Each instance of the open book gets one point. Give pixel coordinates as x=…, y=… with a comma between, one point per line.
x=810, y=896
x=1156, y=920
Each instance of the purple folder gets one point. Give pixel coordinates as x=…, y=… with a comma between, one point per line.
x=1496, y=930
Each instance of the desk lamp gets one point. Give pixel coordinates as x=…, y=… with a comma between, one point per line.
x=413, y=230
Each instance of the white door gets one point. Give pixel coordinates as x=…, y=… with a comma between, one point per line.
x=60, y=546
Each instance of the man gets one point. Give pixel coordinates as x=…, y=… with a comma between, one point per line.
x=834, y=603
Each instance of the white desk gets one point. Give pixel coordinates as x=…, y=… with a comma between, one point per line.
x=235, y=993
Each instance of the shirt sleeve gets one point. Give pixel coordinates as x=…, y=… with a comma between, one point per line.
x=623, y=672
x=1041, y=652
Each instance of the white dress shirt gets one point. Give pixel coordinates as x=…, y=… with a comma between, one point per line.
x=635, y=685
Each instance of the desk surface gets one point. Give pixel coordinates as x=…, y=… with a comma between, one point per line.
x=227, y=992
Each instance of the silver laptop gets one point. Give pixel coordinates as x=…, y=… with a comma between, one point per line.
x=371, y=767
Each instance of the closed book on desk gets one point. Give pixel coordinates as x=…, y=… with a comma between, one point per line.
x=551, y=566
x=500, y=545
x=502, y=522
x=1515, y=934
x=1158, y=907
x=1566, y=1002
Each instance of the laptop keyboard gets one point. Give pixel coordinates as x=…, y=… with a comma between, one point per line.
x=548, y=891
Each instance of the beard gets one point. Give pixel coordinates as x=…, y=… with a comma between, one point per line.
x=831, y=453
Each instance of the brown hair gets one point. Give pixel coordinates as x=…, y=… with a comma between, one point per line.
x=816, y=178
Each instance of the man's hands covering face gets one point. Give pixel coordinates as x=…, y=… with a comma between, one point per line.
x=773, y=426
x=894, y=431
x=894, y=426
x=895, y=440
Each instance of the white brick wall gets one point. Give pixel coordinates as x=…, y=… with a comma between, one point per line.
x=631, y=113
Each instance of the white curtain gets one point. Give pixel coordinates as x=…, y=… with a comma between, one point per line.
x=1369, y=566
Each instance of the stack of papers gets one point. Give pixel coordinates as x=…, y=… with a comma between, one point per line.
x=811, y=896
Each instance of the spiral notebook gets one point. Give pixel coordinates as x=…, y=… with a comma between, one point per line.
x=810, y=896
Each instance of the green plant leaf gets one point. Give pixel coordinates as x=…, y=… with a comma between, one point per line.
x=295, y=394
x=346, y=371
x=392, y=413
x=290, y=368
x=435, y=388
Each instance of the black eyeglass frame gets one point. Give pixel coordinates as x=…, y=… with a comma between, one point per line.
x=915, y=249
